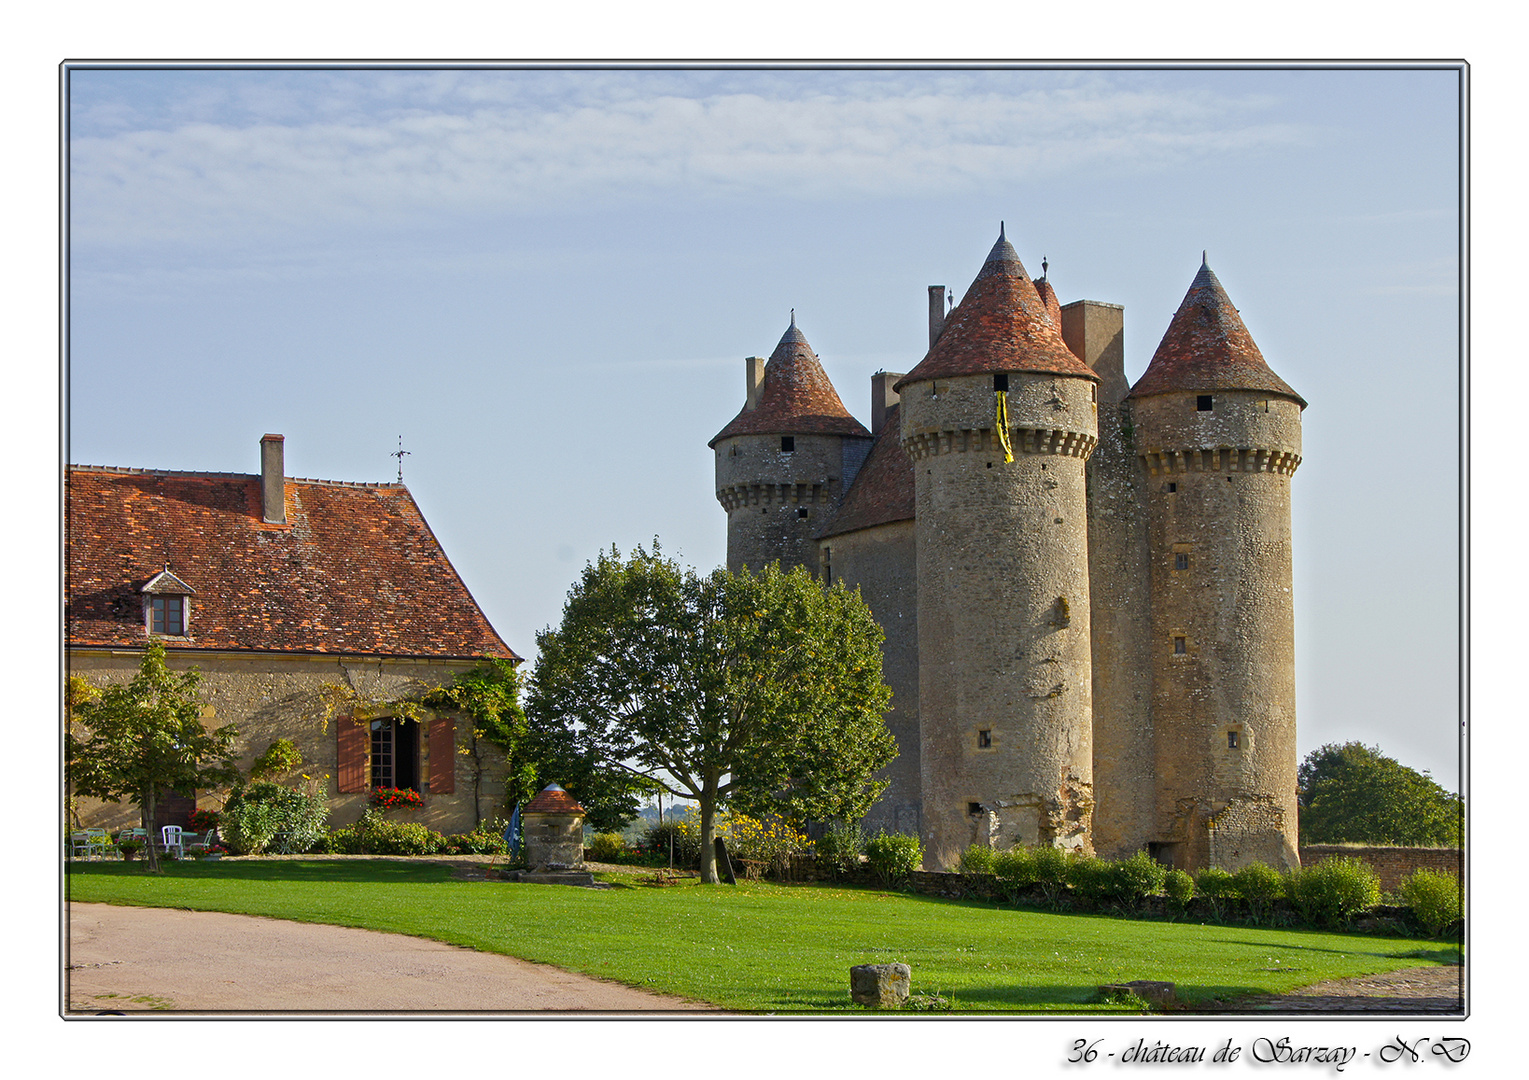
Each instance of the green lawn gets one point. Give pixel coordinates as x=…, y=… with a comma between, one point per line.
x=764, y=947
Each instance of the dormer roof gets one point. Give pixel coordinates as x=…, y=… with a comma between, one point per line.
x=355, y=571
x=1208, y=348
x=165, y=583
x=796, y=397
x=1001, y=324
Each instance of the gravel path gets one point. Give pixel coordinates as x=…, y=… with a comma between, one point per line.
x=132, y=959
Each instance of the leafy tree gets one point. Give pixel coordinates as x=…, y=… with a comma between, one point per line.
x=1352, y=793
x=145, y=737
x=763, y=692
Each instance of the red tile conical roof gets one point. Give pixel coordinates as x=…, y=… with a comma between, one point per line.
x=796, y=399
x=552, y=799
x=1001, y=324
x=1207, y=347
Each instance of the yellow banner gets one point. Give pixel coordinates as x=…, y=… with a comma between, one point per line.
x=1002, y=424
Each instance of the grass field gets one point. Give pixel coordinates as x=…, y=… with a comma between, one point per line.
x=763, y=947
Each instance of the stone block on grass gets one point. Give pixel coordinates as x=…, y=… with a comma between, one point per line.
x=880, y=986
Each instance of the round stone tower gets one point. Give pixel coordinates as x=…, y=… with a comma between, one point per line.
x=998, y=420
x=1218, y=436
x=786, y=460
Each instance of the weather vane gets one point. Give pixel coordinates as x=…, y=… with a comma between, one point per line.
x=399, y=454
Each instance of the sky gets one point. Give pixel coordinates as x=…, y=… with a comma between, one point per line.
x=545, y=282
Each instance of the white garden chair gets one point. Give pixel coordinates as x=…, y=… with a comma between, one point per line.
x=171, y=841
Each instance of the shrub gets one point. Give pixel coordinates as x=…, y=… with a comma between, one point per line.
x=1179, y=886
x=376, y=835
x=1015, y=870
x=1051, y=871
x=1215, y=883
x=1434, y=898
x=894, y=856
x=1334, y=890
x=255, y=814
x=1089, y=877
x=687, y=841
x=1260, y=885
x=838, y=850
x=486, y=839
x=978, y=859
x=607, y=847
x=1135, y=878
x=768, y=840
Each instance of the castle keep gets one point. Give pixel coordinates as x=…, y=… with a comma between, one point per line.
x=1085, y=585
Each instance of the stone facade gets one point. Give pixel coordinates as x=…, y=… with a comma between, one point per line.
x=1094, y=615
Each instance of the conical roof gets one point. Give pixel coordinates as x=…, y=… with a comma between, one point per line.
x=1048, y=299
x=796, y=399
x=1001, y=324
x=1207, y=347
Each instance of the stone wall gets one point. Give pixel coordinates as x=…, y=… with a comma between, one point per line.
x=1393, y=864
x=879, y=561
x=271, y=696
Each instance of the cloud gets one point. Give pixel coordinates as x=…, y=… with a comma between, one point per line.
x=209, y=158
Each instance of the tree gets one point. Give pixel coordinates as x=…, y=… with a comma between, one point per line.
x=145, y=737
x=1352, y=793
x=763, y=692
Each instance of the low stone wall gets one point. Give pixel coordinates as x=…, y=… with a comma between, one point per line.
x=1392, y=864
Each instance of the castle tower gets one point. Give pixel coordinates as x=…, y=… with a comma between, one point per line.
x=1218, y=436
x=1002, y=562
x=785, y=461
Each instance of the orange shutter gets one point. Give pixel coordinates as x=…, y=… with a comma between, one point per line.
x=351, y=763
x=443, y=756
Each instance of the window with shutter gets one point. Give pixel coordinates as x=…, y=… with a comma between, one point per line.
x=443, y=756
x=351, y=761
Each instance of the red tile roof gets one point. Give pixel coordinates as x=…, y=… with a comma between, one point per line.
x=1001, y=324
x=1049, y=301
x=552, y=800
x=356, y=570
x=1207, y=347
x=883, y=488
x=796, y=398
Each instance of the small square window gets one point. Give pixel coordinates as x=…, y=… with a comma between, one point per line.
x=1001, y=381
x=974, y=808
x=1181, y=560
x=1180, y=647
x=801, y=511
x=1231, y=740
x=1172, y=487
x=1203, y=403
x=788, y=444
x=984, y=738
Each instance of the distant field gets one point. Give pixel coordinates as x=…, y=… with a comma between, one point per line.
x=763, y=947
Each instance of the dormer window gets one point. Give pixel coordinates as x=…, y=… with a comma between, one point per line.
x=166, y=605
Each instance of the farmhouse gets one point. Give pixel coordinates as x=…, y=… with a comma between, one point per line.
x=304, y=604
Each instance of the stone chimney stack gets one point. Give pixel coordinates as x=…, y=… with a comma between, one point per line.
x=273, y=488
x=883, y=397
x=936, y=313
x=753, y=378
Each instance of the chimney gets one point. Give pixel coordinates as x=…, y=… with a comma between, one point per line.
x=753, y=377
x=273, y=487
x=936, y=313
x=883, y=397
